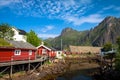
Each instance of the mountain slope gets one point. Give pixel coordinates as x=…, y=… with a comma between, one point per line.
x=107, y=31
x=68, y=37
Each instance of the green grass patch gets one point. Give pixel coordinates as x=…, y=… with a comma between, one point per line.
x=1, y=75
x=48, y=62
x=4, y=43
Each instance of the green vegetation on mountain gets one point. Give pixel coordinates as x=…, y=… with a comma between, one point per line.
x=106, y=31
x=68, y=37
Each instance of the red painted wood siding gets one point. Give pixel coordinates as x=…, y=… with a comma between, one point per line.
x=8, y=55
x=49, y=53
x=24, y=55
x=52, y=54
x=39, y=51
x=5, y=54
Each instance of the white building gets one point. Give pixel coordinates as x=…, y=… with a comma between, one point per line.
x=19, y=35
x=60, y=54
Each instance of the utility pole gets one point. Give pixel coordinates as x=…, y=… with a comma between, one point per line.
x=61, y=44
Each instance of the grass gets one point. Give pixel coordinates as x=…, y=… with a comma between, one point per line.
x=47, y=62
x=4, y=43
x=1, y=75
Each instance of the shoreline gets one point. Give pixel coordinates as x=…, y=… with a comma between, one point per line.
x=50, y=71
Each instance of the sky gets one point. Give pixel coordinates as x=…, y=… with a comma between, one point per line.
x=49, y=17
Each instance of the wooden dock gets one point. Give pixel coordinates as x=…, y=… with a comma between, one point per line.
x=22, y=62
x=4, y=66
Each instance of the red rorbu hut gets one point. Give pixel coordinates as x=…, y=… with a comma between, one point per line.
x=18, y=50
x=44, y=50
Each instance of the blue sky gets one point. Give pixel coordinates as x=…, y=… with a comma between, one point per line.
x=48, y=17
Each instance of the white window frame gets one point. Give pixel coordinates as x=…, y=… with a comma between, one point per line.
x=17, y=52
x=30, y=52
x=44, y=51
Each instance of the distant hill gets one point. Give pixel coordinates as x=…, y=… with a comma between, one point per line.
x=107, y=31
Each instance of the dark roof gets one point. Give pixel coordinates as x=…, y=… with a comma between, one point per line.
x=22, y=45
x=22, y=32
x=52, y=48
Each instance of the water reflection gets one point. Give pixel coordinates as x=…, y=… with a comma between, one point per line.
x=78, y=77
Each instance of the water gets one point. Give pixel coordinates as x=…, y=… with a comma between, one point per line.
x=78, y=77
x=75, y=75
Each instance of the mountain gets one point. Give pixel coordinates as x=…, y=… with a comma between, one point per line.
x=106, y=31
x=68, y=37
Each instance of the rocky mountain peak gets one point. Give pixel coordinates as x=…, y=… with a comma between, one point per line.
x=110, y=19
x=108, y=30
x=66, y=30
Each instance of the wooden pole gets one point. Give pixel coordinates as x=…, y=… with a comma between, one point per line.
x=4, y=70
x=23, y=68
x=11, y=67
x=41, y=64
x=29, y=64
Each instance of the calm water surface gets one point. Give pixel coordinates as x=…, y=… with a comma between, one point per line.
x=78, y=77
x=75, y=75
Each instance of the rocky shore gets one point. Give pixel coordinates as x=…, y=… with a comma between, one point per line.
x=48, y=71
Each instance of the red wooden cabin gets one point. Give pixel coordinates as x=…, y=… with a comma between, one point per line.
x=44, y=50
x=19, y=51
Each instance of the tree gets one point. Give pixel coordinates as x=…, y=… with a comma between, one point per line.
x=33, y=38
x=6, y=31
x=107, y=47
x=117, y=60
x=118, y=43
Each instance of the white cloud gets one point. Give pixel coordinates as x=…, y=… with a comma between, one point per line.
x=45, y=36
x=111, y=7
x=48, y=8
x=108, y=7
x=68, y=10
x=68, y=3
x=85, y=1
x=7, y=2
x=47, y=28
x=117, y=8
x=94, y=18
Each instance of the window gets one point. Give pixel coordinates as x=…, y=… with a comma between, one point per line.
x=30, y=52
x=58, y=52
x=17, y=52
x=44, y=51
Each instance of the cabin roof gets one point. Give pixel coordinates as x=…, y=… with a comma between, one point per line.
x=52, y=48
x=21, y=44
x=22, y=32
x=84, y=49
x=44, y=47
